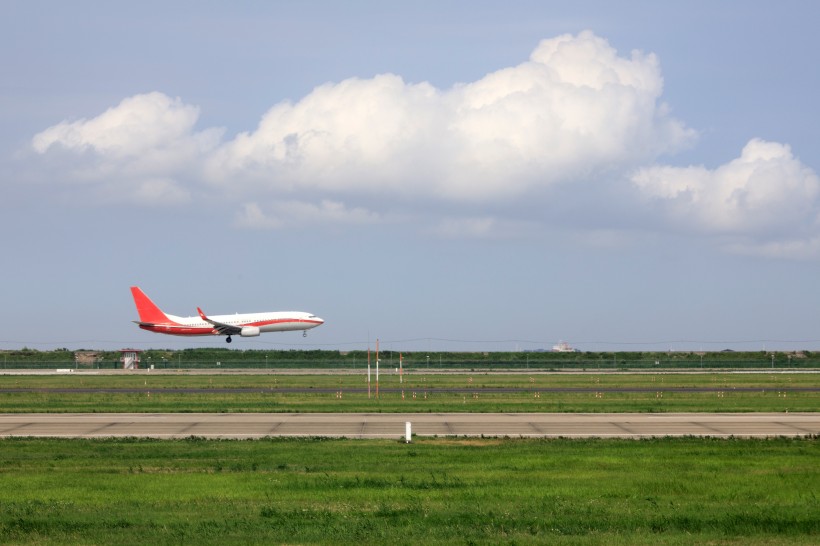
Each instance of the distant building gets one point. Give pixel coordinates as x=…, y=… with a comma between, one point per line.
x=86, y=358
x=130, y=358
x=563, y=347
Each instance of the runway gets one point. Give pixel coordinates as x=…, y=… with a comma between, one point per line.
x=392, y=425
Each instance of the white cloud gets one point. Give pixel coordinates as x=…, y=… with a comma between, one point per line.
x=555, y=140
x=574, y=110
x=158, y=190
x=139, y=150
x=136, y=126
x=300, y=214
x=765, y=190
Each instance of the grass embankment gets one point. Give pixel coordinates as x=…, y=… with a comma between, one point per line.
x=422, y=393
x=673, y=491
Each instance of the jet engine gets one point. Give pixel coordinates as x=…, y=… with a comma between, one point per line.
x=249, y=331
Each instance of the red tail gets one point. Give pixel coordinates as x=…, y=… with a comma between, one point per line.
x=146, y=308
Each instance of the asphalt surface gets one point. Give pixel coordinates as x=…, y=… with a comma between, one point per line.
x=392, y=425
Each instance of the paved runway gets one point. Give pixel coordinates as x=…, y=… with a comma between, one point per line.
x=392, y=425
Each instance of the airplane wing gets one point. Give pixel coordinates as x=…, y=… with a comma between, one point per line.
x=221, y=327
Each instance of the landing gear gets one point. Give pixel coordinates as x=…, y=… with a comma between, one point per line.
x=304, y=333
x=228, y=339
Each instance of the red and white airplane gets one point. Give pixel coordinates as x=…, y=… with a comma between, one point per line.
x=246, y=325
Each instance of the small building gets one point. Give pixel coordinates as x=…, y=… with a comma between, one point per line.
x=86, y=358
x=130, y=359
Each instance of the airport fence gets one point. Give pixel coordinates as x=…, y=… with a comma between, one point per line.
x=272, y=360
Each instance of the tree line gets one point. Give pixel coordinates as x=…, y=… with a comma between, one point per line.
x=255, y=358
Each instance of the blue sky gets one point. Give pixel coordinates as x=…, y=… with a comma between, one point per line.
x=438, y=175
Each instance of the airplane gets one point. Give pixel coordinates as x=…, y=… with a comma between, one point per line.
x=153, y=319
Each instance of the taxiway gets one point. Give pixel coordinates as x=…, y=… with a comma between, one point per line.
x=392, y=425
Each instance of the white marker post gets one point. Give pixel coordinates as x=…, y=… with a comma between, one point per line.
x=407, y=433
x=377, y=367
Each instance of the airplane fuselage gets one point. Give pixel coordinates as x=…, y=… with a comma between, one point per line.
x=154, y=319
x=266, y=322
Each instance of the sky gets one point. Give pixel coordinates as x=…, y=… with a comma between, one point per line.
x=451, y=175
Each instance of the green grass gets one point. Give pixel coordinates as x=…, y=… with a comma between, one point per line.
x=672, y=491
x=415, y=378
x=305, y=403
x=773, y=393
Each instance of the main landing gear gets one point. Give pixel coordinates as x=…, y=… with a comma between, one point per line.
x=228, y=339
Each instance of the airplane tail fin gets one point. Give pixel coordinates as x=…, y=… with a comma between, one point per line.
x=147, y=309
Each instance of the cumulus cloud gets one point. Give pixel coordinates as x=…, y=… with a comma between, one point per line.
x=140, y=150
x=575, y=109
x=766, y=196
x=136, y=126
x=576, y=124
x=346, y=137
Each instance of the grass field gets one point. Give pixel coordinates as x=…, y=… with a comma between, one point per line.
x=422, y=393
x=415, y=379
x=455, y=490
x=670, y=491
